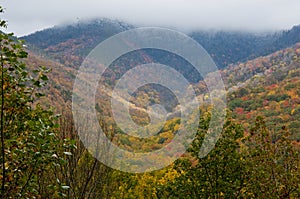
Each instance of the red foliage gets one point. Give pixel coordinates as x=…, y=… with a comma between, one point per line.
x=239, y=110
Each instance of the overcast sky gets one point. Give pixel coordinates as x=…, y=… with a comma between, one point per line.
x=27, y=16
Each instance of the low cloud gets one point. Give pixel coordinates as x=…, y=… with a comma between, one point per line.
x=27, y=16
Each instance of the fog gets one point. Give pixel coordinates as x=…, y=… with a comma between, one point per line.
x=27, y=16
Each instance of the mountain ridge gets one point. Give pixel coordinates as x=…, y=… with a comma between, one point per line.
x=240, y=77
x=225, y=47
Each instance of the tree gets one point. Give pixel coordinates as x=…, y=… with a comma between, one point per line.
x=31, y=151
x=271, y=164
x=221, y=174
x=87, y=176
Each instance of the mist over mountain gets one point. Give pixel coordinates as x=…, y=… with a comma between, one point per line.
x=78, y=39
x=240, y=56
x=148, y=124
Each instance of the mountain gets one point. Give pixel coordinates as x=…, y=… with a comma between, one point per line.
x=267, y=86
x=288, y=38
x=261, y=72
x=58, y=91
x=69, y=44
x=98, y=29
x=233, y=47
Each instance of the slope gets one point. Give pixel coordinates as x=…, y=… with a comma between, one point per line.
x=69, y=44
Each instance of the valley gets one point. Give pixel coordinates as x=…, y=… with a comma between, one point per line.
x=44, y=151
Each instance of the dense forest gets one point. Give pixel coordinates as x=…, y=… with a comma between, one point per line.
x=42, y=155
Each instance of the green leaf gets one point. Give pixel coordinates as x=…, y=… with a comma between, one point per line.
x=35, y=71
x=37, y=83
x=44, y=77
x=39, y=95
x=23, y=54
x=3, y=23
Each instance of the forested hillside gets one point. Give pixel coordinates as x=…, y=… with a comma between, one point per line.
x=69, y=44
x=257, y=155
x=267, y=86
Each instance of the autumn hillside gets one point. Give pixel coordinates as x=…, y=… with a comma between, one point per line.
x=267, y=85
x=253, y=154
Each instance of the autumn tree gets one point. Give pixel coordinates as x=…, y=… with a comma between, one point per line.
x=218, y=175
x=31, y=152
x=86, y=175
x=272, y=163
